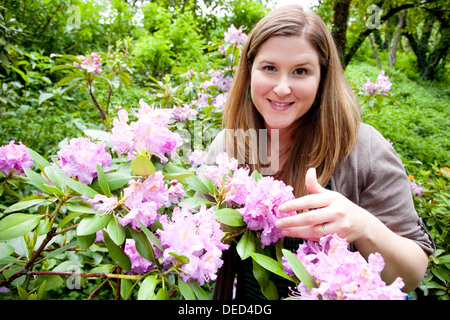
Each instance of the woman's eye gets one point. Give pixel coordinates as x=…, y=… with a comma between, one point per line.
x=269, y=68
x=300, y=71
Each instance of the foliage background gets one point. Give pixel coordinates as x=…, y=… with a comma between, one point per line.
x=167, y=38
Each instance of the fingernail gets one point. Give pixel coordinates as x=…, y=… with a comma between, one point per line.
x=281, y=207
x=279, y=224
x=285, y=233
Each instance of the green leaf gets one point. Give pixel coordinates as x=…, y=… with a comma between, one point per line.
x=17, y=224
x=86, y=241
x=79, y=208
x=142, y=166
x=143, y=246
x=229, y=217
x=53, y=174
x=271, y=265
x=116, y=231
x=35, y=179
x=186, y=290
x=44, y=97
x=153, y=239
x=199, y=292
x=38, y=159
x=246, y=244
x=299, y=270
x=182, y=258
x=5, y=250
x=147, y=289
x=163, y=294
x=177, y=176
x=196, y=184
x=93, y=223
x=116, y=253
x=41, y=291
x=194, y=202
x=24, y=205
x=79, y=187
x=103, y=181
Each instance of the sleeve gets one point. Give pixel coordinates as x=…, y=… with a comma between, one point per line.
x=374, y=178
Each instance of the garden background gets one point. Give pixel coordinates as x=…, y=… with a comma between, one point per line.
x=165, y=51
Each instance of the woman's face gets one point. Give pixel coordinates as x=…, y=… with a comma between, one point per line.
x=285, y=77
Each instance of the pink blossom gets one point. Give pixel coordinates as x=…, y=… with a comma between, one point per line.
x=381, y=87
x=91, y=63
x=139, y=265
x=196, y=158
x=103, y=203
x=342, y=274
x=176, y=193
x=151, y=189
x=260, y=210
x=145, y=212
x=184, y=112
x=149, y=133
x=13, y=158
x=416, y=188
x=80, y=158
x=196, y=236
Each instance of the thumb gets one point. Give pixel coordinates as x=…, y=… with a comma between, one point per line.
x=311, y=182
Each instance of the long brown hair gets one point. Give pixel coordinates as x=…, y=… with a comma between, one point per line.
x=328, y=131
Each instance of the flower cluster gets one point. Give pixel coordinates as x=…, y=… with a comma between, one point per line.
x=196, y=158
x=259, y=200
x=139, y=265
x=91, y=63
x=80, y=158
x=184, y=112
x=198, y=238
x=13, y=158
x=149, y=133
x=382, y=86
x=342, y=274
x=235, y=37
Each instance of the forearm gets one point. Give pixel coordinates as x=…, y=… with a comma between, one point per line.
x=403, y=257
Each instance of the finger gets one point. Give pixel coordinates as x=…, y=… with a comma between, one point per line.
x=310, y=218
x=312, y=185
x=309, y=232
x=312, y=201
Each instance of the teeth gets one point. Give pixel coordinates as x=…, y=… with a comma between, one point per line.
x=281, y=104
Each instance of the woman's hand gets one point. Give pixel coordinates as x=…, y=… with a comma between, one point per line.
x=334, y=214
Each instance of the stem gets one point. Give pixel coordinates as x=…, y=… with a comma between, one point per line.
x=84, y=274
x=33, y=258
x=102, y=113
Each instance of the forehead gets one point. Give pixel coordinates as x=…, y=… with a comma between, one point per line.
x=287, y=49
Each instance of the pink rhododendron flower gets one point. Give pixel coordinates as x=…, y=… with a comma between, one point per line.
x=196, y=236
x=260, y=210
x=144, y=198
x=184, y=112
x=149, y=133
x=382, y=86
x=103, y=203
x=176, y=193
x=235, y=37
x=91, y=63
x=259, y=200
x=13, y=158
x=416, y=188
x=196, y=158
x=80, y=158
x=139, y=265
x=342, y=274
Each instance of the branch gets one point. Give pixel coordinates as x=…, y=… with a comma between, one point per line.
x=33, y=258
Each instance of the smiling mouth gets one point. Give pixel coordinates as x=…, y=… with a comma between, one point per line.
x=280, y=106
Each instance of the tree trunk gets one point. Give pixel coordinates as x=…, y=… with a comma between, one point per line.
x=341, y=10
x=374, y=50
x=393, y=51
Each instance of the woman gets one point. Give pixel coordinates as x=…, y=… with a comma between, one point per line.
x=290, y=84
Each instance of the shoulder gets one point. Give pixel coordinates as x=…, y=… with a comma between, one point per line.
x=217, y=146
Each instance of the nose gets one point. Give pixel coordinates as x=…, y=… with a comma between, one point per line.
x=282, y=87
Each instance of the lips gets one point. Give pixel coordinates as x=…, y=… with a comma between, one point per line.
x=280, y=106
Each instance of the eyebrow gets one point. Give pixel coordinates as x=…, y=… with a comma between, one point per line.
x=306, y=63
